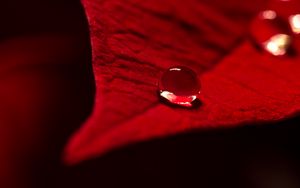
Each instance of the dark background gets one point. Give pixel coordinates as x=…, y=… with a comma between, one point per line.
x=253, y=156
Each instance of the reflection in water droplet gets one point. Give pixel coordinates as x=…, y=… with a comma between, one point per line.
x=278, y=44
x=271, y=33
x=269, y=14
x=295, y=23
x=180, y=86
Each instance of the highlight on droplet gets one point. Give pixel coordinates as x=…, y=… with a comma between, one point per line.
x=278, y=45
x=294, y=21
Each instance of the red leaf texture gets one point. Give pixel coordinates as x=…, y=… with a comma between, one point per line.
x=134, y=41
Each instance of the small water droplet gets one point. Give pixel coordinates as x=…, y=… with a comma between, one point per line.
x=180, y=86
x=271, y=33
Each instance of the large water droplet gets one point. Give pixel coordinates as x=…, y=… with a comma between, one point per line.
x=271, y=33
x=180, y=86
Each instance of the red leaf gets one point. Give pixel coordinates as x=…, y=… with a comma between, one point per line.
x=135, y=40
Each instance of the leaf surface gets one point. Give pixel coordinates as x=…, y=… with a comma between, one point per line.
x=134, y=41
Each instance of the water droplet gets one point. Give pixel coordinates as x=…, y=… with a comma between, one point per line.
x=180, y=86
x=295, y=23
x=271, y=33
x=278, y=44
x=289, y=10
